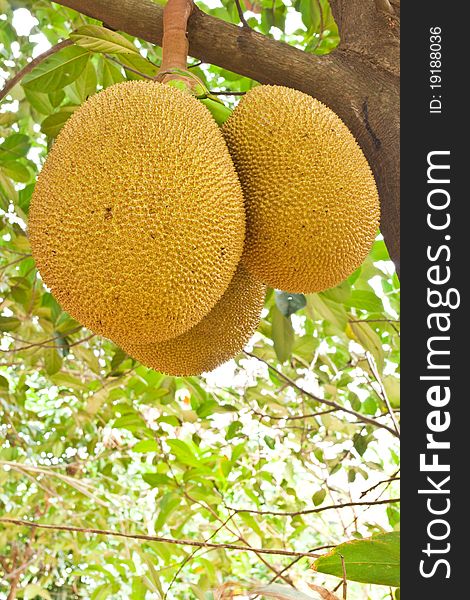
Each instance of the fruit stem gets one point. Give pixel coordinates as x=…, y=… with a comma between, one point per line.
x=175, y=43
x=175, y=47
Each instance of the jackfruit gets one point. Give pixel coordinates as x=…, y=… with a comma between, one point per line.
x=311, y=200
x=220, y=335
x=137, y=221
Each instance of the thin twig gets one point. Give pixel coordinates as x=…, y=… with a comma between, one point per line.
x=388, y=481
x=44, y=343
x=322, y=26
x=310, y=511
x=126, y=68
x=376, y=374
x=345, y=581
x=30, y=66
x=296, y=560
x=211, y=510
x=22, y=568
x=155, y=538
x=331, y=403
x=241, y=16
x=374, y=321
x=294, y=418
x=14, y=262
x=191, y=556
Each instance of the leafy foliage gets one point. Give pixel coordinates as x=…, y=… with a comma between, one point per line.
x=299, y=424
x=372, y=560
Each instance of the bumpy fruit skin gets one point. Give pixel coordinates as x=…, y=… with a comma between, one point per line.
x=220, y=335
x=137, y=221
x=312, y=204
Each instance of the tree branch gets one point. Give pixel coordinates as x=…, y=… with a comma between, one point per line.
x=331, y=403
x=295, y=417
x=10, y=84
x=155, y=538
x=241, y=16
x=362, y=89
x=385, y=398
x=370, y=28
x=311, y=511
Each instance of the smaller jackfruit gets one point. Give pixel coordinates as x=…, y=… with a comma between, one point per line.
x=311, y=200
x=220, y=335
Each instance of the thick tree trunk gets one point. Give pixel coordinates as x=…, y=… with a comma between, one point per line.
x=359, y=80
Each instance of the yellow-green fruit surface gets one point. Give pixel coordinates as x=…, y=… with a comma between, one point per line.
x=312, y=203
x=220, y=335
x=137, y=221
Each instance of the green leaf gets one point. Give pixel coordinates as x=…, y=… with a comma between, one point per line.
x=146, y=446
x=110, y=73
x=84, y=86
x=65, y=323
x=56, y=97
x=372, y=560
x=54, y=123
x=233, y=430
x=370, y=406
x=9, y=323
x=289, y=304
x=183, y=453
x=340, y=293
x=139, y=589
x=156, y=479
x=270, y=442
x=318, y=497
x=325, y=309
x=365, y=300
x=16, y=171
x=310, y=11
x=39, y=101
x=33, y=590
x=360, y=443
x=15, y=146
x=52, y=361
x=102, y=592
x=282, y=334
x=370, y=341
x=139, y=63
x=7, y=119
x=24, y=197
x=392, y=387
x=4, y=383
x=132, y=422
x=100, y=39
x=251, y=522
x=57, y=71
x=168, y=504
x=118, y=358
x=379, y=251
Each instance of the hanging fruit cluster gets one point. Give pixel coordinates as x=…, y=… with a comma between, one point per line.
x=160, y=230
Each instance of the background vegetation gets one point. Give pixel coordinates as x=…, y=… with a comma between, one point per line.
x=292, y=447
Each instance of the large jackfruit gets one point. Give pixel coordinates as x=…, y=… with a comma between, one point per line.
x=219, y=337
x=137, y=220
x=312, y=204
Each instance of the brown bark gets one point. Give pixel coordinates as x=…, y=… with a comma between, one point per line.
x=13, y=587
x=359, y=80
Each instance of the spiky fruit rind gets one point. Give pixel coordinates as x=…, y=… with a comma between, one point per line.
x=137, y=220
x=220, y=335
x=312, y=203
